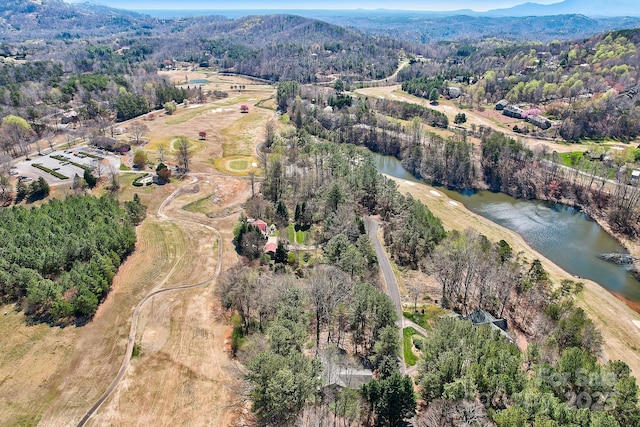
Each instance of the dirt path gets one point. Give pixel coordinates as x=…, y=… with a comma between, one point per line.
x=136, y=314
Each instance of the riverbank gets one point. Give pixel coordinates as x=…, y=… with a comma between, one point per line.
x=615, y=319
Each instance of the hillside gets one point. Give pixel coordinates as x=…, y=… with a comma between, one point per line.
x=273, y=47
x=588, y=87
x=284, y=47
x=25, y=19
x=425, y=27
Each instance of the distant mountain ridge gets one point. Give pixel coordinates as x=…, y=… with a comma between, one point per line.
x=569, y=7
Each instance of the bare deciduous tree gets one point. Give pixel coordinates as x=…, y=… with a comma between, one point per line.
x=138, y=130
x=182, y=145
x=114, y=186
x=444, y=413
x=328, y=286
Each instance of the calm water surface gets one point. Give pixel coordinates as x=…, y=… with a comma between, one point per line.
x=566, y=236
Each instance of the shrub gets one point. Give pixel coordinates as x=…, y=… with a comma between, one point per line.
x=50, y=171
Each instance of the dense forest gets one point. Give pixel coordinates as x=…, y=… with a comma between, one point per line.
x=58, y=260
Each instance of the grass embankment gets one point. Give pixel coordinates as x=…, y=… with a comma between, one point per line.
x=612, y=316
x=66, y=159
x=426, y=316
x=203, y=205
x=183, y=115
x=49, y=171
x=408, y=334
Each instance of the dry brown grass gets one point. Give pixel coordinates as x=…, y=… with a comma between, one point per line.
x=612, y=316
x=183, y=375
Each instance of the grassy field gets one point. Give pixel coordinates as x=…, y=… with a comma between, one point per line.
x=183, y=115
x=238, y=165
x=240, y=135
x=182, y=374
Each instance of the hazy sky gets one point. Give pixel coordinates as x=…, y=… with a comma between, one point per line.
x=430, y=5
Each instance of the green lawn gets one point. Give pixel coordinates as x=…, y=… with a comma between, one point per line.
x=300, y=237
x=290, y=234
x=573, y=158
x=570, y=159
x=431, y=314
x=410, y=357
x=238, y=165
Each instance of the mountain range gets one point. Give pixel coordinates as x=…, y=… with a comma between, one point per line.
x=567, y=7
x=591, y=8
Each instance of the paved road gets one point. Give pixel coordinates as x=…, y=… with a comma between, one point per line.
x=136, y=314
x=372, y=227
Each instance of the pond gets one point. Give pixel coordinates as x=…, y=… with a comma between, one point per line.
x=561, y=233
x=199, y=81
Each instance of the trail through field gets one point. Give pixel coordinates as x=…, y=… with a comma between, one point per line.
x=159, y=289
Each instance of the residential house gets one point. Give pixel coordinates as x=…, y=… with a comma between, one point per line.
x=502, y=104
x=513, y=111
x=454, y=92
x=343, y=371
x=271, y=245
x=481, y=317
x=261, y=225
x=539, y=121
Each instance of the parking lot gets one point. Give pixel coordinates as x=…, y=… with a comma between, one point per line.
x=100, y=163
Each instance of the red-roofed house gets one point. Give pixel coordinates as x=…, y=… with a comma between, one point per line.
x=261, y=225
x=271, y=246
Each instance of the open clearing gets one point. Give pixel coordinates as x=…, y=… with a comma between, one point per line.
x=183, y=375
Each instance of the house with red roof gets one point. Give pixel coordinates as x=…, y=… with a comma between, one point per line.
x=271, y=246
x=261, y=225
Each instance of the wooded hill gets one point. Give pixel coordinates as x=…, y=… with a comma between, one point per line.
x=26, y=19
x=273, y=47
x=589, y=86
x=424, y=27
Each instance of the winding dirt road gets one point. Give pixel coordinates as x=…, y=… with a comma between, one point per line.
x=136, y=314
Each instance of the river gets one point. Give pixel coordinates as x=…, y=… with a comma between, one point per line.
x=561, y=233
